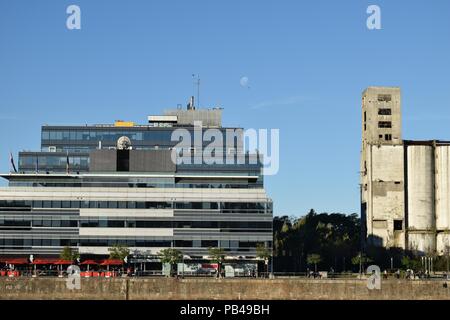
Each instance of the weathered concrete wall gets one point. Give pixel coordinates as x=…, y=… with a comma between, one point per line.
x=225, y=289
x=443, y=199
x=421, y=188
x=385, y=193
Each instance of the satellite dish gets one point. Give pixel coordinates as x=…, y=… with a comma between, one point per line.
x=124, y=143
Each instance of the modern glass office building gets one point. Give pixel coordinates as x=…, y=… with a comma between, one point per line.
x=93, y=186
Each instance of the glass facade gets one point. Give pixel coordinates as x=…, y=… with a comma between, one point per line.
x=64, y=203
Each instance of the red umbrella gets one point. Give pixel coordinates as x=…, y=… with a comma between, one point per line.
x=16, y=260
x=44, y=261
x=89, y=262
x=61, y=262
x=111, y=262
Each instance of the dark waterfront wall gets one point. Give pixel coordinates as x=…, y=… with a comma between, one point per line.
x=226, y=289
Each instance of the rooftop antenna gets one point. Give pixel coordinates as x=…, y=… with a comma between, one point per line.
x=196, y=82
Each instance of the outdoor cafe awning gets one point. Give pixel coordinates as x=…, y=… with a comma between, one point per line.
x=111, y=262
x=16, y=261
x=90, y=262
x=44, y=261
x=62, y=262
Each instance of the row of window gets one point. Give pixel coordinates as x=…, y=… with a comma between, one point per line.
x=52, y=161
x=88, y=135
x=134, y=185
x=107, y=135
x=128, y=242
x=104, y=223
x=175, y=224
x=28, y=204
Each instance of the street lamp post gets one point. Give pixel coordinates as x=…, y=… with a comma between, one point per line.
x=271, y=266
x=447, y=263
x=360, y=264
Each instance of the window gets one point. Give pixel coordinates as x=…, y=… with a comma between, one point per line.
x=37, y=204
x=112, y=204
x=65, y=223
x=37, y=223
x=384, y=97
x=388, y=137
x=384, y=124
x=65, y=204
x=122, y=205
x=183, y=243
x=47, y=223
x=56, y=223
x=209, y=243
x=384, y=111
x=398, y=225
x=224, y=243
x=45, y=135
x=196, y=243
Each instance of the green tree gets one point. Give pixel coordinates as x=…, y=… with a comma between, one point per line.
x=314, y=259
x=263, y=253
x=217, y=256
x=361, y=259
x=334, y=236
x=119, y=252
x=172, y=257
x=69, y=254
x=413, y=263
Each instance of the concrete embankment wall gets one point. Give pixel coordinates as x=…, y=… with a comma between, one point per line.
x=223, y=289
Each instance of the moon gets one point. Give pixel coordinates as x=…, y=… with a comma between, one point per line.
x=244, y=81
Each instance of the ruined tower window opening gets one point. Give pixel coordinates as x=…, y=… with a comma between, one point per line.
x=385, y=111
x=388, y=137
x=384, y=124
x=384, y=97
x=398, y=225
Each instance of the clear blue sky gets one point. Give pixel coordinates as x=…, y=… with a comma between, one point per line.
x=307, y=63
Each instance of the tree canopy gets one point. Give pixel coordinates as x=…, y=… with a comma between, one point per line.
x=119, y=252
x=69, y=254
x=171, y=256
x=334, y=237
